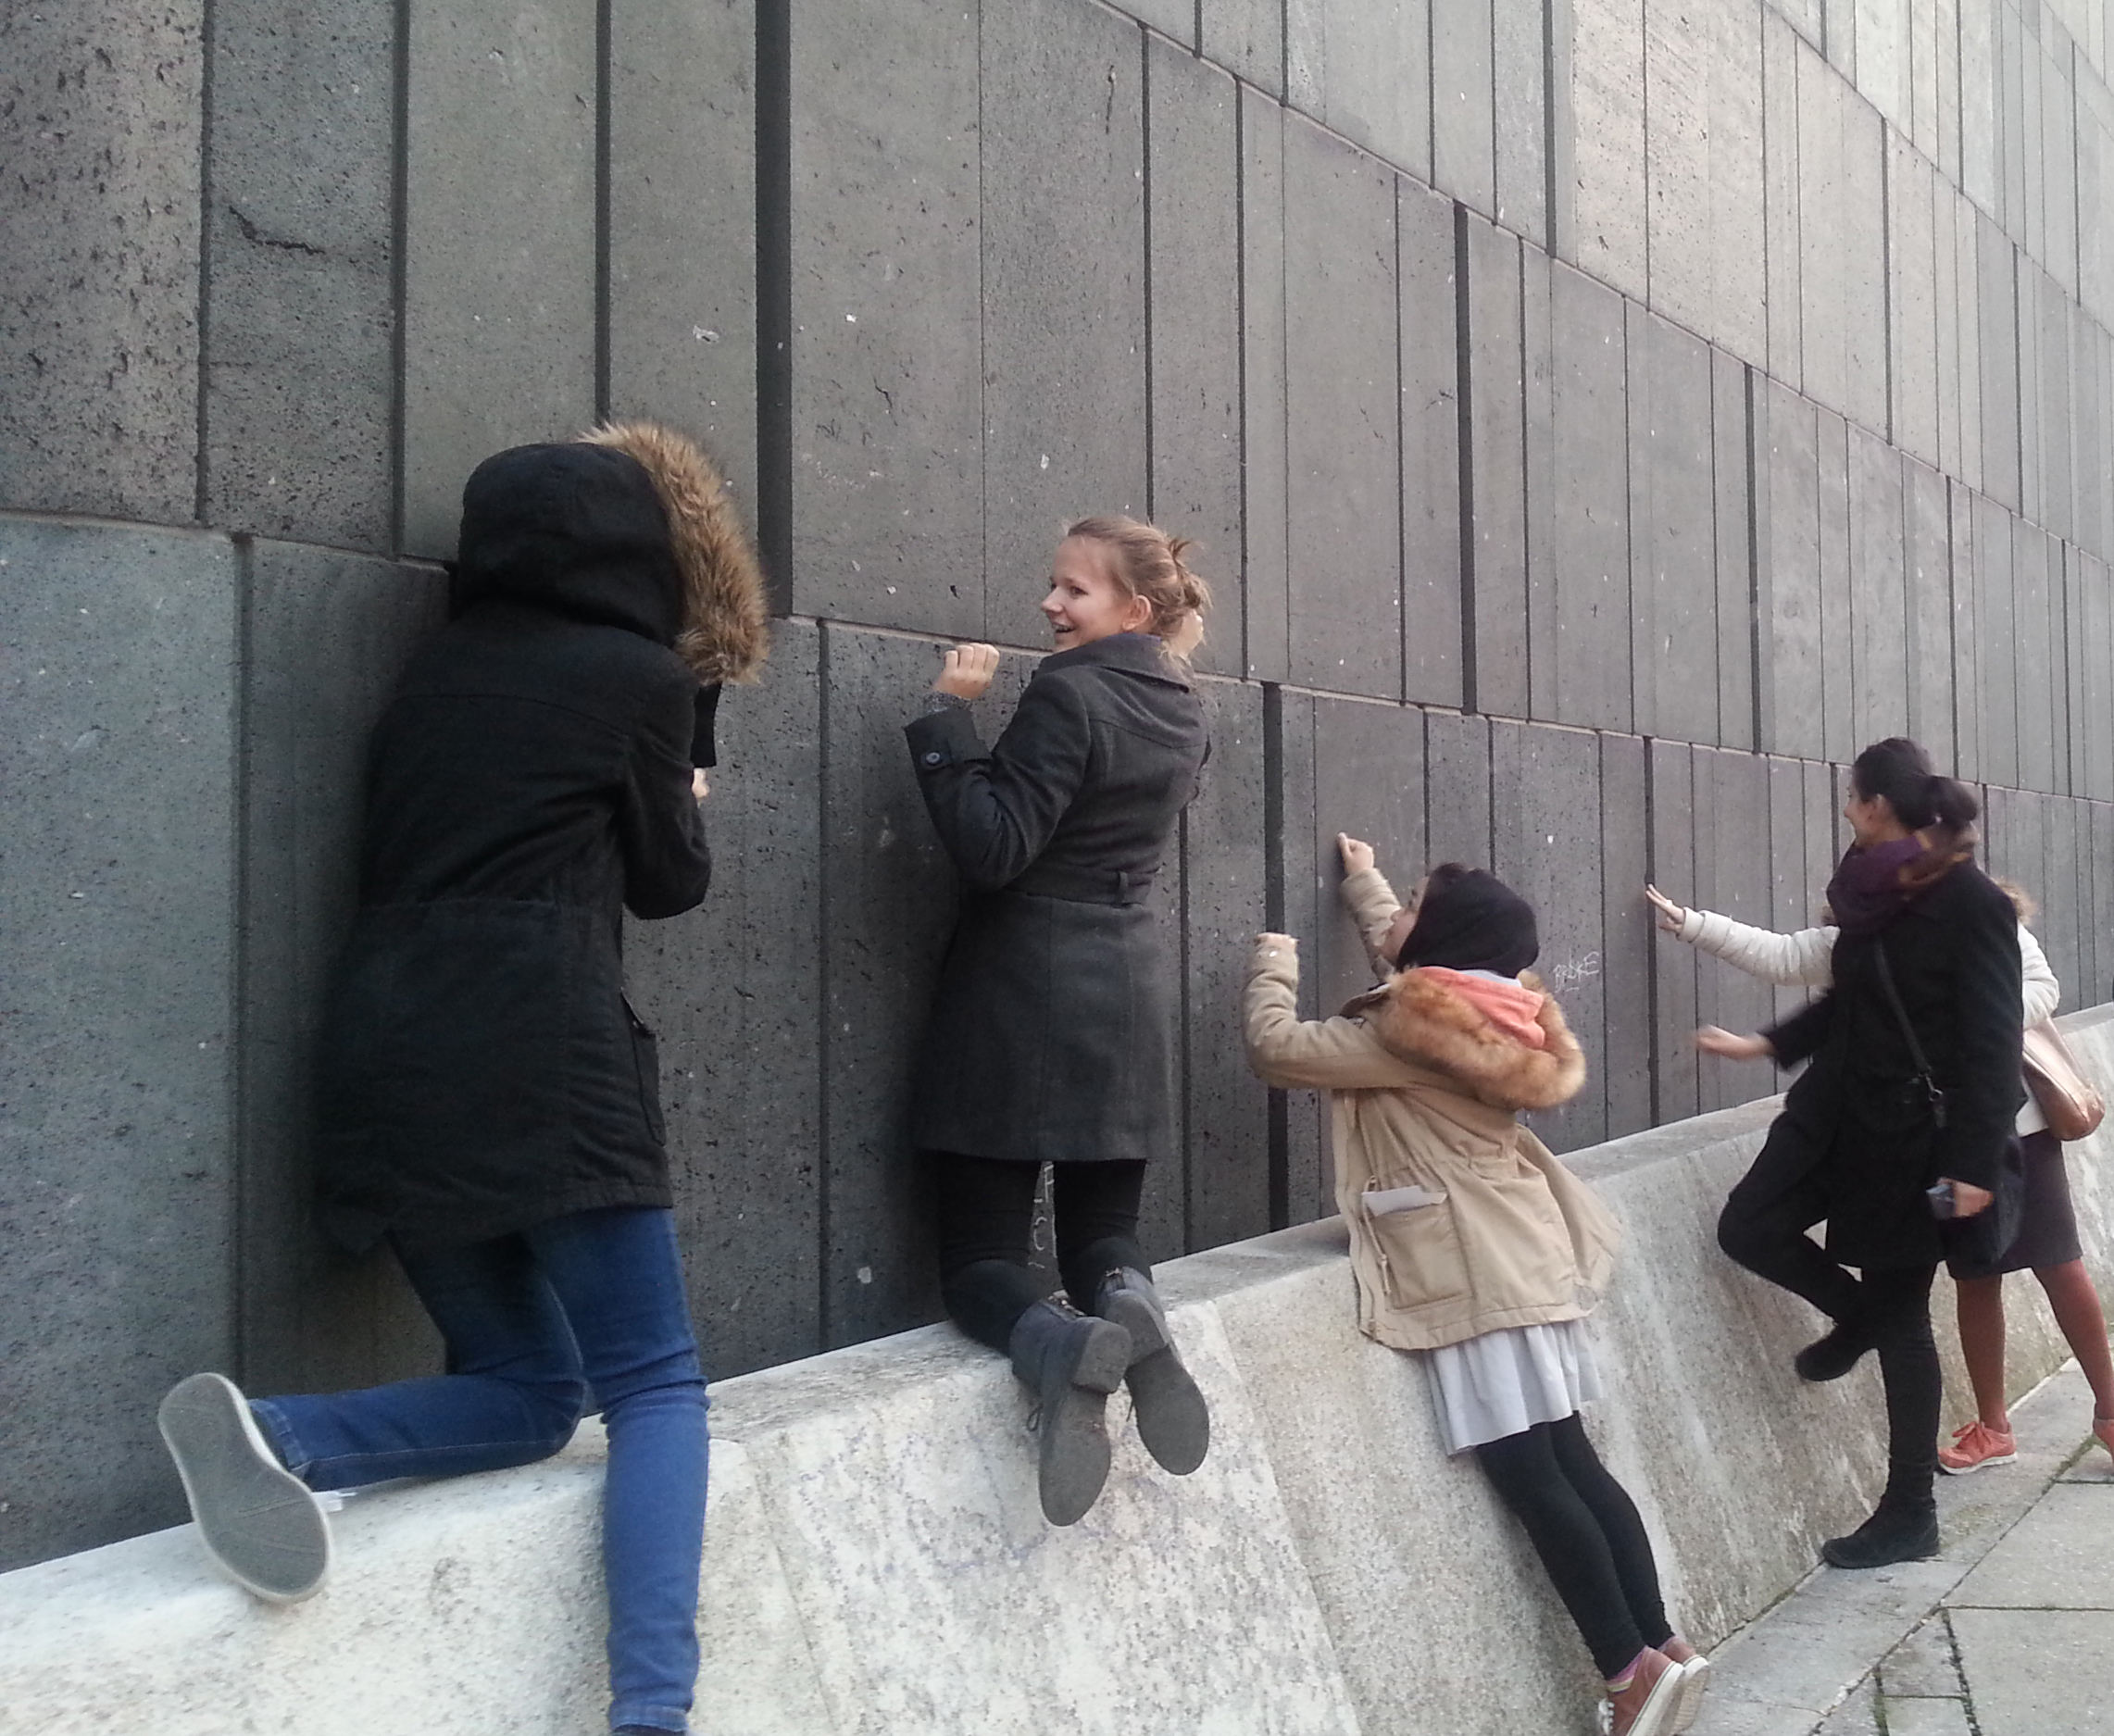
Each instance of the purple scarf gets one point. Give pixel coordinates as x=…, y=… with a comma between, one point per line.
x=1873, y=884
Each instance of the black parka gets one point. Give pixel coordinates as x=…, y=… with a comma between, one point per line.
x=1052, y=1031
x=482, y=1069
x=1858, y=1115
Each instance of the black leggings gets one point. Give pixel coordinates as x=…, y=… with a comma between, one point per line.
x=1763, y=1226
x=987, y=1218
x=1585, y=1529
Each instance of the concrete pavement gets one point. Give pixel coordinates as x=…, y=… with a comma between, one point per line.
x=2008, y=1633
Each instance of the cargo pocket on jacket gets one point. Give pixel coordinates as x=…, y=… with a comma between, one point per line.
x=645, y=1056
x=1419, y=1253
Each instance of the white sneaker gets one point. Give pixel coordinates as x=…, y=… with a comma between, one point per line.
x=259, y=1522
x=1694, y=1679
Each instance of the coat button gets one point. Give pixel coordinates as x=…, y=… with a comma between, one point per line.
x=935, y=759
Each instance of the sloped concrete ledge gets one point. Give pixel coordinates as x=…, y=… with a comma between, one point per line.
x=876, y=1562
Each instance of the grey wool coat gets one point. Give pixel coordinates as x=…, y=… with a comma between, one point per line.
x=481, y=1070
x=1052, y=1031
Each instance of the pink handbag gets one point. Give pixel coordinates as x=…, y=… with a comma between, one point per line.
x=2071, y=1102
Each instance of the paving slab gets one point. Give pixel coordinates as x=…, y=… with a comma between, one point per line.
x=2043, y=1672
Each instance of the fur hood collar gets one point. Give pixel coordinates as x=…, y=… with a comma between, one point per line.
x=725, y=632
x=1420, y=1018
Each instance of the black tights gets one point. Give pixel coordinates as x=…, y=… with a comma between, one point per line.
x=986, y=1213
x=1585, y=1529
x=1763, y=1226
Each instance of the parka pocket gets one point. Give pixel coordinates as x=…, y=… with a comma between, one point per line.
x=1418, y=1251
x=645, y=1056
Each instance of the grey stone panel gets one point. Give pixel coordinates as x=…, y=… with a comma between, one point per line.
x=2095, y=189
x=1879, y=611
x=1518, y=52
x=1997, y=665
x=1192, y=180
x=1579, y=605
x=1927, y=565
x=1733, y=865
x=1827, y=834
x=2015, y=177
x=1064, y=294
x=1997, y=292
x=1603, y=232
x=1787, y=587
x=101, y=123
x=1457, y=789
x=1343, y=535
x=888, y=903
x=326, y=633
x=1545, y=830
x=1967, y=633
x=1823, y=240
x=887, y=282
x=117, y=1239
x=1246, y=37
x=681, y=290
x=1862, y=238
x=1791, y=898
x=1497, y=467
x=499, y=245
x=1704, y=165
x=2036, y=591
x=1912, y=312
x=1175, y=18
x=1463, y=122
x=1673, y=537
x=1807, y=17
x=1305, y=896
x=1429, y=352
x=1363, y=68
x=1838, y=643
x=1627, y=935
x=2061, y=919
x=2101, y=986
x=1959, y=361
x=1883, y=56
x=300, y=337
x=1783, y=273
x=2071, y=635
x=2033, y=425
x=1264, y=430
x=2089, y=456
x=2058, y=160
x=2092, y=638
x=1934, y=85
x=1731, y=477
x=1981, y=171
x=1371, y=775
x=2060, y=374
x=1670, y=769
x=1224, y=853
x=732, y=988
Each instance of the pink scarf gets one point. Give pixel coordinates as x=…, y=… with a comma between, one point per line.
x=1511, y=1006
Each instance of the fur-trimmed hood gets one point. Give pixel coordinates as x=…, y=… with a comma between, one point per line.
x=1419, y=1018
x=725, y=632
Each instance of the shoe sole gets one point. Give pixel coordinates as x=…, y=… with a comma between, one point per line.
x=1980, y=1464
x=1828, y=1555
x=260, y=1524
x=1174, y=1421
x=1074, y=1465
x=1662, y=1706
x=1695, y=1682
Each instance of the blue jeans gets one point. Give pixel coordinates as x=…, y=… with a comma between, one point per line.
x=582, y=1311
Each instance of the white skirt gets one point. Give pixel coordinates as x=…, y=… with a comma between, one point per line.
x=1504, y=1382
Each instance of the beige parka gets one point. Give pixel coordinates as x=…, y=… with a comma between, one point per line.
x=1424, y=1094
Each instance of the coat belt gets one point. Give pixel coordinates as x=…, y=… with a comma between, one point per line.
x=1084, y=886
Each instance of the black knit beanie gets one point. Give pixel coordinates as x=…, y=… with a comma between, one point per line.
x=1475, y=922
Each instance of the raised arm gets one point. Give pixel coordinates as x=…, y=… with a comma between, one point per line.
x=1321, y=1053
x=1805, y=958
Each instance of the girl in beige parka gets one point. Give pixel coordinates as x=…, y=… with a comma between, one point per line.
x=1472, y=1244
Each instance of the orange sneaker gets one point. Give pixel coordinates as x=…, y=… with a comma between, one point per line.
x=1976, y=1447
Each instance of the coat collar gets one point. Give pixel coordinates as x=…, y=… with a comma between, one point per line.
x=1134, y=654
x=1417, y=1017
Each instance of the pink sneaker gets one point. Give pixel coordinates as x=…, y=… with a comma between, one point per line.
x=1978, y=1446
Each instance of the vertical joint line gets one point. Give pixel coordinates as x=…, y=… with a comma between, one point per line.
x=1886, y=273
x=1549, y=126
x=1189, y=1164
x=1145, y=181
x=1754, y=567
x=399, y=268
x=825, y=916
x=242, y=987
x=603, y=126
x=1401, y=447
x=774, y=296
x=1653, y=954
x=1241, y=360
x=1279, y=1133
x=201, y=460
x=1464, y=418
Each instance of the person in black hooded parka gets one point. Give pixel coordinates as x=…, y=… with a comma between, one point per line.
x=1052, y=1031
x=1861, y=1140
x=489, y=1099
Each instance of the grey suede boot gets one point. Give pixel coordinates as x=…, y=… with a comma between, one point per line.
x=1073, y=1362
x=1174, y=1421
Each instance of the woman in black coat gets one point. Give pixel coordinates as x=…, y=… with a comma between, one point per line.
x=489, y=1099
x=1870, y=1129
x=1052, y=1032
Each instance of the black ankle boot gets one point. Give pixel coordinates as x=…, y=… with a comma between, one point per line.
x=1174, y=1421
x=1898, y=1531
x=1832, y=1356
x=1072, y=1362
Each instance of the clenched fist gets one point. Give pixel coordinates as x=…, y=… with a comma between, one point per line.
x=967, y=672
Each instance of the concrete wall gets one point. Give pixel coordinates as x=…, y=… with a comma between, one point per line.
x=875, y=1559
x=1603, y=417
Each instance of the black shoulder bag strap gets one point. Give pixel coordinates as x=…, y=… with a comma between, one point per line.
x=1931, y=1087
